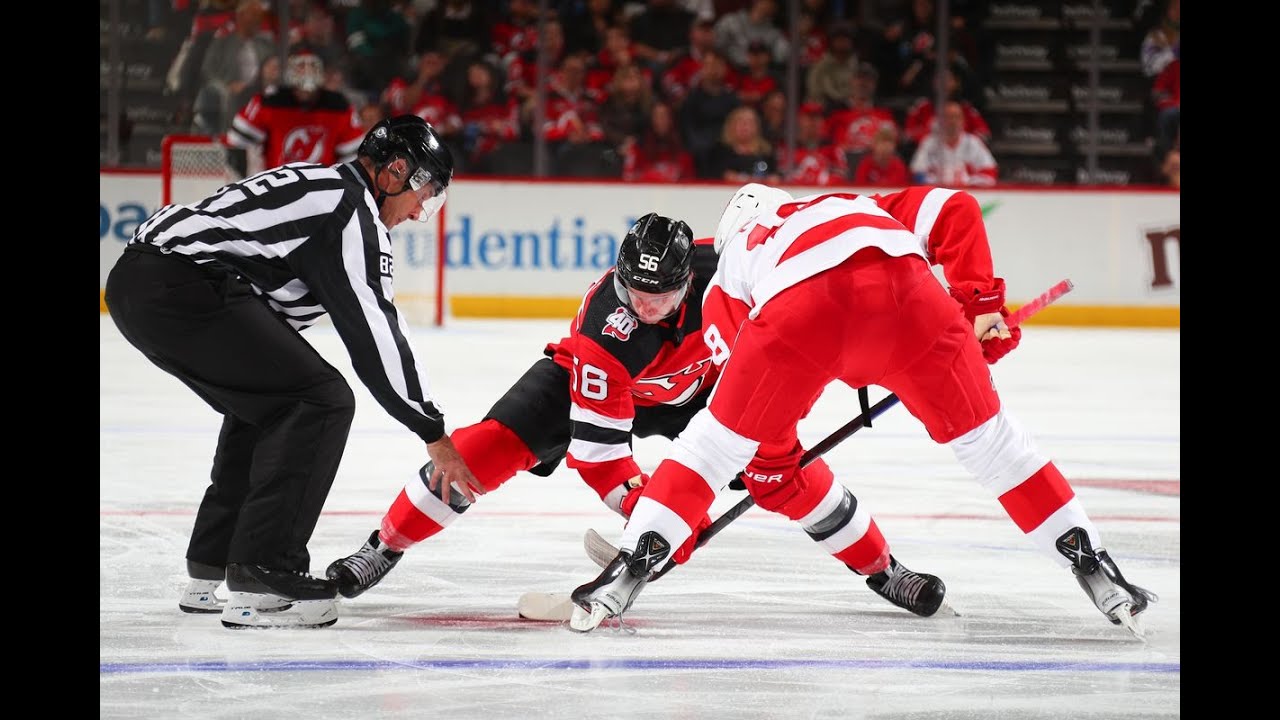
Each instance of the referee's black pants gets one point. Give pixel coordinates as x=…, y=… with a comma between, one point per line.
x=286, y=411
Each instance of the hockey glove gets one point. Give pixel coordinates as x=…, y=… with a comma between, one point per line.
x=635, y=486
x=997, y=347
x=986, y=311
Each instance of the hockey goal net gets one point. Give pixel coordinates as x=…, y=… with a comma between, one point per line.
x=195, y=166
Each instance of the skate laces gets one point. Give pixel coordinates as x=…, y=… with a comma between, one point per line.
x=905, y=586
x=368, y=563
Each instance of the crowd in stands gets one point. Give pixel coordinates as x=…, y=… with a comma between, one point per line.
x=645, y=90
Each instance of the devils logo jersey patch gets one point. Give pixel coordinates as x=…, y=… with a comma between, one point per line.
x=675, y=388
x=620, y=324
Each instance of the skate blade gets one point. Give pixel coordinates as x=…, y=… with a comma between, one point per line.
x=1127, y=619
x=242, y=613
x=548, y=607
x=946, y=607
x=584, y=621
x=204, y=607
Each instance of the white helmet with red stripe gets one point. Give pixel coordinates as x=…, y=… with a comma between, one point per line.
x=750, y=202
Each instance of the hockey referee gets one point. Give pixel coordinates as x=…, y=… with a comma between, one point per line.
x=216, y=293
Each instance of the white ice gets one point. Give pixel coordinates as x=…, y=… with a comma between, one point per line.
x=761, y=624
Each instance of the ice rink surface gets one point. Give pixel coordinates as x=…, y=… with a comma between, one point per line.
x=761, y=624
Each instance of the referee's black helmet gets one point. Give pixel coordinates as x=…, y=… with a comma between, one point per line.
x=412, y=138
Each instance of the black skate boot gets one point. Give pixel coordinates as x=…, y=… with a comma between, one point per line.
x=915, y=592
x=617, y=586
x=254, y=588
x=1117, y=598
x=356, y=573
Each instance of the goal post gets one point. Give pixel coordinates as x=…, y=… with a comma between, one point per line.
x=195, y=166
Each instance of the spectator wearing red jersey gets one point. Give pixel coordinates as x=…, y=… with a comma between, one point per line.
x=915, y=59
x=814, y=161
x=658, y=155
x=1166, y=94
x=300, y=122
x=813, y=40
x=516, y=31
x=438, y=110
x=853, y=123
x=921, y=116
x=404, y=92
x=758, y=79
x=682, y=73
x=522, y=71
x=953, y=158
x=883, y=167
x=489, y=119
x=617, y=51
x=573, y=110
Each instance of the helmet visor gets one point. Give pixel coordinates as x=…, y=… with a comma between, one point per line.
x=650, y=308
x=431, y=205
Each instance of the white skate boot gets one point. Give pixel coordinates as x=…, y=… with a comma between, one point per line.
x=1117, y=598
x=617, y=586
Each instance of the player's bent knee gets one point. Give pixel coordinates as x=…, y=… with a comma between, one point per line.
x=999, y=452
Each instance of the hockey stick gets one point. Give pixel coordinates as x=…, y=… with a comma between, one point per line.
x=558, y=607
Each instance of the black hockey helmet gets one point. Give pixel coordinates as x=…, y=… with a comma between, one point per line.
x=655, y=258
x=412, y=138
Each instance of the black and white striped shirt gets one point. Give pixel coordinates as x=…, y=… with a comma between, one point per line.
x=308, y=239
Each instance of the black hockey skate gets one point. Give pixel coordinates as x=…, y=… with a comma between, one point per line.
x=920, y=593
x=254, y=588
x=1117, y=598
x=356, y=573
x=617, y=586
x=200, y=595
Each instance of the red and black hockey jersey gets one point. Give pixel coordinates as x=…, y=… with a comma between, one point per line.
x=324, y=131
x=617, y=363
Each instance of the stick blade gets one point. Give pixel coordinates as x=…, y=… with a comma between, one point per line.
x=601, y=551
x=545, y=607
